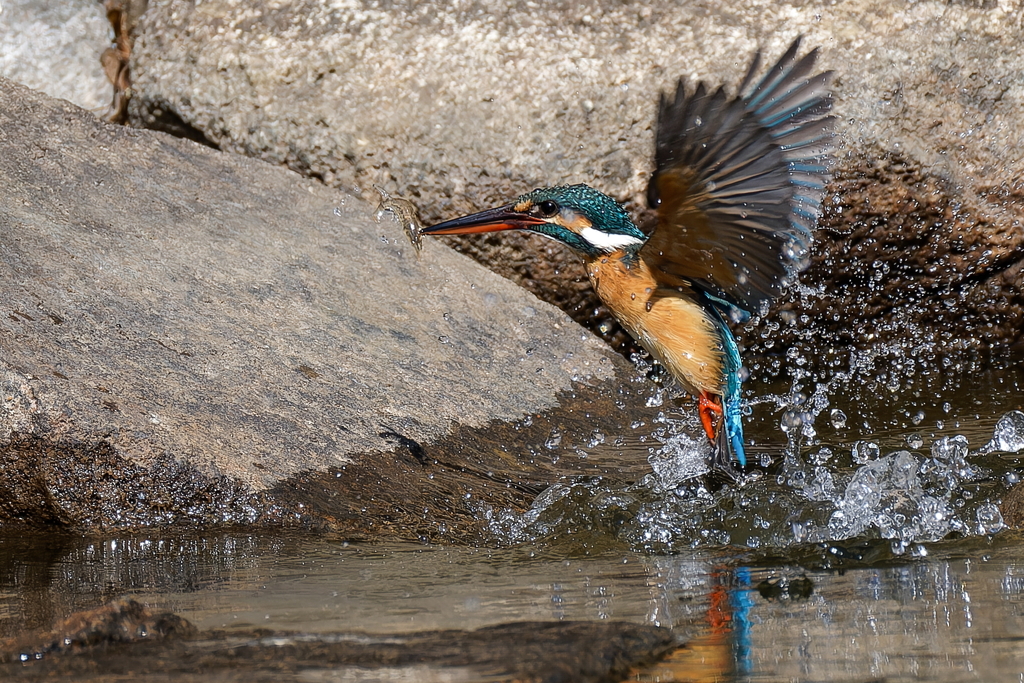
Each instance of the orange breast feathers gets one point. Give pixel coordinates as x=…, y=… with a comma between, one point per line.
x=666, y=321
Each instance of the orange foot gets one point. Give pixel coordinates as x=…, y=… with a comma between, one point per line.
x=710, y=408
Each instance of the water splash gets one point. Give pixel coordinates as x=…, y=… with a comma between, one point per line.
x=901, y=497
x=681, y=458
x=1008, y=436
x=872, y=452
x=831, y=494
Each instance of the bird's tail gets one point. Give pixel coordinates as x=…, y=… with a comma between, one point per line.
x=728, y=446
x=729, y=440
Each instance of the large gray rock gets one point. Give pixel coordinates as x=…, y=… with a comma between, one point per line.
x=193, y=335
x=464, y=106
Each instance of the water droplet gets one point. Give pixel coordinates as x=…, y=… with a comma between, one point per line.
x=864, y=452
x=554, y=440
x=918, y=417
x=656, y=399
x=793, y=420
x=914, y=441
x=990, y=520
x=838, y=418
x=823, y=455
x=950, y=448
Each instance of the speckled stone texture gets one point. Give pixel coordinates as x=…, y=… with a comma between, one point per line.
x=55, y=47
x=190, y=335
x=463, y=106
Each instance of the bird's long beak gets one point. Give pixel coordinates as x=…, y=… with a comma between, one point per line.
x=491, y=220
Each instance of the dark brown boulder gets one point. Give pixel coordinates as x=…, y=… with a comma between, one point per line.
x=124, y=639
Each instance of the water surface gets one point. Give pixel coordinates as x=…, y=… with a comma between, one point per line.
x=868, y=546
x=955, y=614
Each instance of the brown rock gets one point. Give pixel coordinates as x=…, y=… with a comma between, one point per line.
x=120, y=621
x=1012, y=508
x=549, y=652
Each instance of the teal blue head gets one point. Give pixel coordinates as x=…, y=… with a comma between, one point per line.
x=577, y=215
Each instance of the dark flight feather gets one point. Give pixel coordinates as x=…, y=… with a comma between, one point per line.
x=738, y=181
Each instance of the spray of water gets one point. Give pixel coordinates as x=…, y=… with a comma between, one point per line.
x=814, y=492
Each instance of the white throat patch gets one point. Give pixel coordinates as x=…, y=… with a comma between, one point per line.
x=606, y=241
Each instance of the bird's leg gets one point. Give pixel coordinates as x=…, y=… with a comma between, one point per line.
x=710, y=408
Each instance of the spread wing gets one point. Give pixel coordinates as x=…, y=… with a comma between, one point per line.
x=738, y=181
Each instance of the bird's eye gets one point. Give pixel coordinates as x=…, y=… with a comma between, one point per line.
x=547, y=208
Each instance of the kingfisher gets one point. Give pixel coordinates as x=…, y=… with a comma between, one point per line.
x=737, y=186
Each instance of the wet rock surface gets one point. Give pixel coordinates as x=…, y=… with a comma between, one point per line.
x=193, y=336
x=124, y=639
x=465, y=107
x=119, y=622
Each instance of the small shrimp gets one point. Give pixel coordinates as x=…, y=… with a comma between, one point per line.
x=404, y=212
